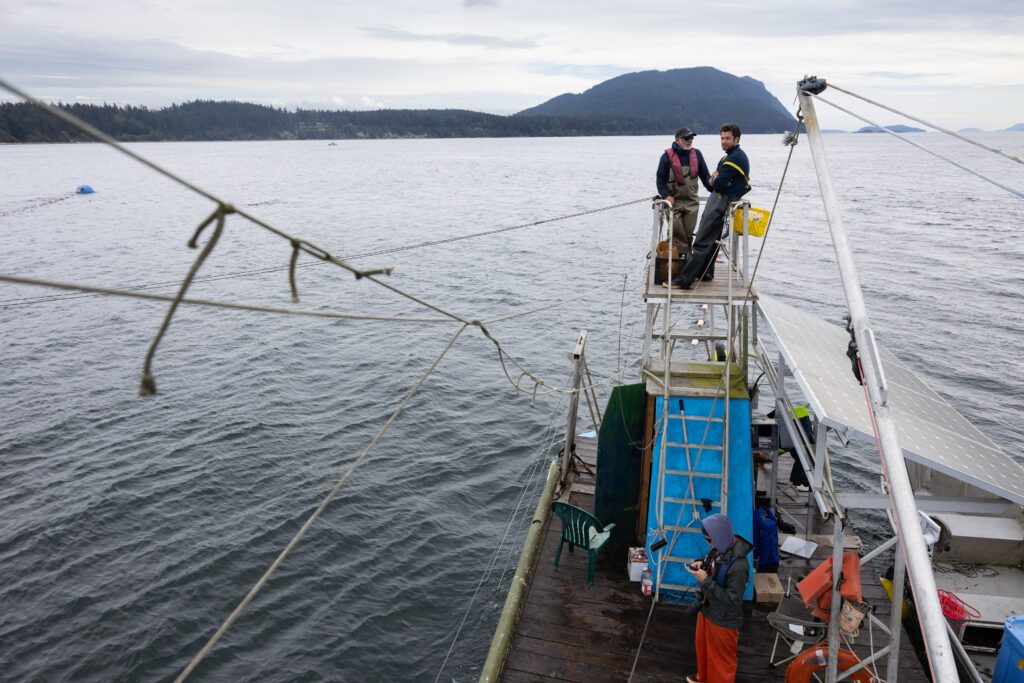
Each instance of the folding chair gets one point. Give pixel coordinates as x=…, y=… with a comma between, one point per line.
x=796, y=626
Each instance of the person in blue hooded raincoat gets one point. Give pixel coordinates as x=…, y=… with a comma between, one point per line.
x=722, y=575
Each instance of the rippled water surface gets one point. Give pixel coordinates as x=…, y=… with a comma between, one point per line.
x=130, y=528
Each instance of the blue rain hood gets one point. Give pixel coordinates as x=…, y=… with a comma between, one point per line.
x=719, y=528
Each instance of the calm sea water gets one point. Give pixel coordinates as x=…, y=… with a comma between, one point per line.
x=129, y=528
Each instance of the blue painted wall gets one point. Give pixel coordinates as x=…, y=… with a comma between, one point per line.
x=740, y=503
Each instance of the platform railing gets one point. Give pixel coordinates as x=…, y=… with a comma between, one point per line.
x=734, y=247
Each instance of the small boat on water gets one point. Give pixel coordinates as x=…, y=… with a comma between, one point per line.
x=732, y=384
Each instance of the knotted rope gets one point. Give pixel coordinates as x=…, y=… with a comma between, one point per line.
x=148, y=385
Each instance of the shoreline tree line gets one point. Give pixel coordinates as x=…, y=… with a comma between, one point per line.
x=207, y=120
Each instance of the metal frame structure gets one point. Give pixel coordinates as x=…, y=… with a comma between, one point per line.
x=735, y=336
x=833, y=504
x=911, y=547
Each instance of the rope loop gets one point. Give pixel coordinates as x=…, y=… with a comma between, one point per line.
x=536, y=386
x=147, y=386
x=193, y=243
x=223, y=209
x=518, y=380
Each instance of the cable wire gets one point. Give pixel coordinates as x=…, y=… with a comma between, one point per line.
x=937, y=127
x=528, y=483
x=791, y=141
x=1013, y=191
x=17, y=279
x=352, y=257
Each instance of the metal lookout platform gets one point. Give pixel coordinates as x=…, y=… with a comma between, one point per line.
x=689, y=440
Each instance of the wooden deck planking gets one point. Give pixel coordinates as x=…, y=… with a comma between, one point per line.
x=571, y=632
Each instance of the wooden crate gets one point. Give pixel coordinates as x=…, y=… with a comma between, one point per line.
x=768, y=588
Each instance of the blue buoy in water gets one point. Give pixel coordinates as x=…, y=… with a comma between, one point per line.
x=84, y=189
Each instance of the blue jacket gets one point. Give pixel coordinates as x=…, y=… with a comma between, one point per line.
x=664, y=166
x=729, y=181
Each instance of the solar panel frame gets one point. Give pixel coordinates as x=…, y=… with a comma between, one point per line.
x=930, y=431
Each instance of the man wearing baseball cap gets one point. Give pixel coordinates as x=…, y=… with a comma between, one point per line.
x=678, y=170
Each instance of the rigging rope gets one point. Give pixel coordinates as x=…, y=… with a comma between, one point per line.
x=548, y=306
x=316, y=514
x=947, y=131
x=636, y=657
x=496, y=231
x=663, y=558
x=148, y=384
x=791, y=140
x=1009, y=189
x=292, y=266
x=528, y=484
x=622, y=307
x=16, y=279
x=297, y=244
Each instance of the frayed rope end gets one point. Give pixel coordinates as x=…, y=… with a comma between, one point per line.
x=148, y=385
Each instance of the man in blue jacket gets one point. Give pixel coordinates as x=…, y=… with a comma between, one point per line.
x=678, y=170
x=729, y=182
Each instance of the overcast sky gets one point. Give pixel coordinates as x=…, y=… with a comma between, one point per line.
x=957, y=63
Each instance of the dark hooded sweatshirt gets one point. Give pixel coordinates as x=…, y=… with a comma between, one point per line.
x=723, y=605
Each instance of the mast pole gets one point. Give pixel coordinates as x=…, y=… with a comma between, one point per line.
x=901, y=494
x=574, y=401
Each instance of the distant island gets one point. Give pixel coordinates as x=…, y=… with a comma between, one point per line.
x=1017, y=127
x=896, y=129
x=970, y=130
x=701, y=98
x=644, y=103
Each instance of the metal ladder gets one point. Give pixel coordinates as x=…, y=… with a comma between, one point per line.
x=693, y=449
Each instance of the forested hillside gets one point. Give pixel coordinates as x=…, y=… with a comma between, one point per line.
x=646, y=103
x=205, y=120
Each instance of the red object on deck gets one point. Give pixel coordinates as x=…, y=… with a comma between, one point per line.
x=956, y=609
x=814, y=659
x=816, y=587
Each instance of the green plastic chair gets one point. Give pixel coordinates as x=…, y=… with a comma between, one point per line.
x=580, y=528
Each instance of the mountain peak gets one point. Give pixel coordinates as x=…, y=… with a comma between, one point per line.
x=701, y=97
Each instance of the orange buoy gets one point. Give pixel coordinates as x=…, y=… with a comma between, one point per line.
x=807, y=662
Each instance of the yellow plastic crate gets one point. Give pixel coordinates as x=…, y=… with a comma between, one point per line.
x=757, y=219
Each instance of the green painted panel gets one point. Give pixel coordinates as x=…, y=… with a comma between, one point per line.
x=619, y=456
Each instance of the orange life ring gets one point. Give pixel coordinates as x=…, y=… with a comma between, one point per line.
x=816, y=658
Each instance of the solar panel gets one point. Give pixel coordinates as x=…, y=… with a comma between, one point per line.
x=931, y=432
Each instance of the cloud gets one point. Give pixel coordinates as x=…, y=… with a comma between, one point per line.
x=801, y=19
x=154, y=73
x=596, y=72
x=461, y=39
x=901, y=74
